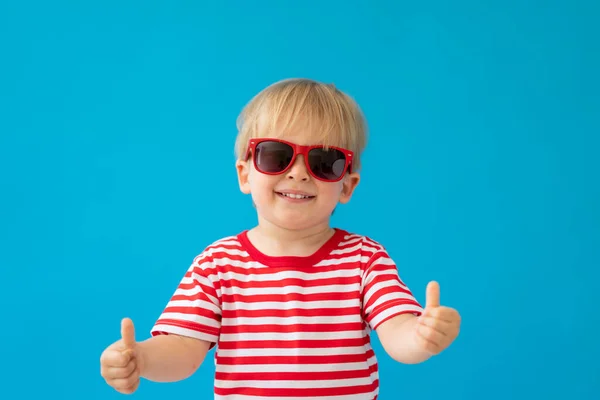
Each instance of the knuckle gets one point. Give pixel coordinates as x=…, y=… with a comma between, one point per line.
x=104, y=358
x=107, y=373
x=132, y=386
x=119, y=360
x=119, y=373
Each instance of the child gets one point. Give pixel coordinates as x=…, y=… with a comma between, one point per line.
x=289, y=305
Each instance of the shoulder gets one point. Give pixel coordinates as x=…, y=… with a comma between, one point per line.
x=374, y=257
x=364, y=241
x=368, y=247
x=227, y=247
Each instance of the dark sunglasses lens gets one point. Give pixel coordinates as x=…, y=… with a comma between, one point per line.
x=273, y=157
x=327, y=164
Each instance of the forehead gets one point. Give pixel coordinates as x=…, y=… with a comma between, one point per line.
x=302, y=137
x=302, y=130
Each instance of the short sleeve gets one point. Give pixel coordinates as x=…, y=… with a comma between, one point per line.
x=194, y=309
x=383, y=292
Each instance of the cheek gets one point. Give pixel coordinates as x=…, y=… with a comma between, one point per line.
x=259, y=183
x=330, y=191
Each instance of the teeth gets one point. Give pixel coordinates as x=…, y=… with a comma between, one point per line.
x=295, y=196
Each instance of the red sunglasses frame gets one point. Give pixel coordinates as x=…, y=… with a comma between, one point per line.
x=298, y=149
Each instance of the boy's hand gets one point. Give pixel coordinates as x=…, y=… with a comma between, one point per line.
x=121, y=362
x=438, y=326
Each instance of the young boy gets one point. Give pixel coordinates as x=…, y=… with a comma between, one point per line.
x=290, y=304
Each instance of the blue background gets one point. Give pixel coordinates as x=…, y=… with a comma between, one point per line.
x=117, y=124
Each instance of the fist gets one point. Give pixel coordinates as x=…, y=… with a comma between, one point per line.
x=438, y=326
x=120, y=362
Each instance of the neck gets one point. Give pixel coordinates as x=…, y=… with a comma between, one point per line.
x=276, y=241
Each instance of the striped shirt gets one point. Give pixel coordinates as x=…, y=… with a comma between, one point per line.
x=290, y=327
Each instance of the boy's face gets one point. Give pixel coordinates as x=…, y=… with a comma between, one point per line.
x=271, y=193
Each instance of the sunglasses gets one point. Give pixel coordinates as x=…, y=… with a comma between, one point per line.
x=275, y=156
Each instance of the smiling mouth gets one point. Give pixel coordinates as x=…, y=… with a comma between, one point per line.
x=295, y=196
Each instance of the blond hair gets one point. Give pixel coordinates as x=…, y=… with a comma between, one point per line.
x=328, y=115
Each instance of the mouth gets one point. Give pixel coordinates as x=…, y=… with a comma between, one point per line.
x=295, y=196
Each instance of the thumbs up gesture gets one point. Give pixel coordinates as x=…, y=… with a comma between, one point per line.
x=438, y=326
x=120, y=362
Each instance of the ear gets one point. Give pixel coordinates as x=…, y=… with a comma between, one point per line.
x=348, y=185
x=243, y=172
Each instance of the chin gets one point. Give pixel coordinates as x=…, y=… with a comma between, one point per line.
x=297, y=222
x=292, y=224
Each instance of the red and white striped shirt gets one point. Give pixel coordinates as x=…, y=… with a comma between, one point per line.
x=290, y=327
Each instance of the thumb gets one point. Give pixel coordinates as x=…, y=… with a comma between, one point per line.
x=128, y=333
x=433, y=295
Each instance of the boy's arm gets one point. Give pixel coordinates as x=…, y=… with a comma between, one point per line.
x=410, y=339
x=187, y=328
x=162, y=358
x=171, y=358
x=397, y=336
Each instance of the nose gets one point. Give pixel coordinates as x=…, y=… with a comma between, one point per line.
x=298, y=170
